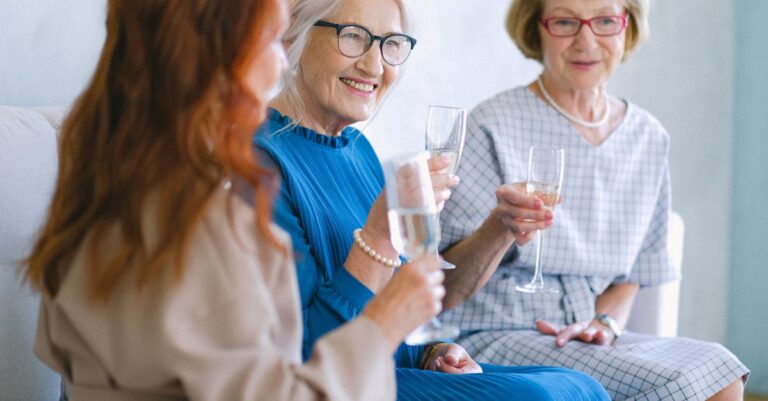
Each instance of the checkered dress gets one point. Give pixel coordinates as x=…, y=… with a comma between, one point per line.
x=612, y=227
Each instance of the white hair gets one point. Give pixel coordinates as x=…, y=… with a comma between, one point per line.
x=304, y=15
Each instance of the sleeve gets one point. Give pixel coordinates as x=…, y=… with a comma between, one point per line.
x=475, y=196
x=654, y=264
x=326, y=304
x=245, y=362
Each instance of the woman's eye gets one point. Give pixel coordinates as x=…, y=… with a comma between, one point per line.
x=565, y=22
x=607, y=21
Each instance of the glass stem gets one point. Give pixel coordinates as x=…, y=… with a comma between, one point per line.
x=538, y=280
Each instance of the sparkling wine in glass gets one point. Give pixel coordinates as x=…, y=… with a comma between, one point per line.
x=413, y=225
x=446, y=128
x=545, y=179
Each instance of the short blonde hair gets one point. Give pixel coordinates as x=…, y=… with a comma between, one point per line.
x=523, y=25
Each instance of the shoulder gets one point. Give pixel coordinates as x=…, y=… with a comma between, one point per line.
x=508, y=100
x=641, y=120
x=269, y=134
x=226, y=245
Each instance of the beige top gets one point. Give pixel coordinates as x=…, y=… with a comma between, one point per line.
x=229, y=330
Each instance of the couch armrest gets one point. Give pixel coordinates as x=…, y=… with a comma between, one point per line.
x=656, y=308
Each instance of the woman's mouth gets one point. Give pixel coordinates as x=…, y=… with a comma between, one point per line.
x=361, y=86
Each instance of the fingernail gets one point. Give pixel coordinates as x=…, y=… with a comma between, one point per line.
x=549, y=222
x=437, y=363
x=455, y=179
x=549, y=215
x=537, y=204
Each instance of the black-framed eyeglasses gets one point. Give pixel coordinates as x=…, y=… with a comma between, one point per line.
x=607, y=25
x=354, y=40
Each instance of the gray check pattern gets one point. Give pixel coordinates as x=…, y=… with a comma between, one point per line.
x=612, y=227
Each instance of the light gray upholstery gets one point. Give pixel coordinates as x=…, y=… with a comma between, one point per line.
x=28, y=166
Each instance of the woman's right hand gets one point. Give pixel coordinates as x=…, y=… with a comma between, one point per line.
x=413, y=296
x=521, y=213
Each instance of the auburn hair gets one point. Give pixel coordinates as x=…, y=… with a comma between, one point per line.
x=166, y=114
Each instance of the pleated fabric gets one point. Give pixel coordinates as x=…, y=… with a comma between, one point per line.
x=510, y=383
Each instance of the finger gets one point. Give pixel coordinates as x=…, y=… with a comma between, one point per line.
x=443, y=181
x=437, y=163
x=435, y=277
x=522, y=227
x=454, y=353
x=603, y=337
x=452, y=359
x=523, y=238
x=443, y=366
x=545, y=327
x=525, y=213
x=588, y=335
x=442, y=195
x=438, y=293
x=569, y=333
x=514, y=196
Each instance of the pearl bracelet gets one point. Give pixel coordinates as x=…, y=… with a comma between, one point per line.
x=394, y=263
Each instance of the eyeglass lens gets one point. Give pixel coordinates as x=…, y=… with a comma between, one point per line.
x=354, y=41
x=603, y=26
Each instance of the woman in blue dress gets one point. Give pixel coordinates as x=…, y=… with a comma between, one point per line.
x=344, y=55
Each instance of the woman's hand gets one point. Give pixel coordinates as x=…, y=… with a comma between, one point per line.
x=411, y=297
x=450, y=358
x=521, y=213
x=592, y=332
x=441, y=182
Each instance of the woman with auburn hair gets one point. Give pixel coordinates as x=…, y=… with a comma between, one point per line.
x=162, y=275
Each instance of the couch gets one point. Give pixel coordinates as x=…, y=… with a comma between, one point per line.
x=28, y=165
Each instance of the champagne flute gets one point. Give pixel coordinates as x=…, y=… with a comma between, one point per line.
x=446, y=128
x=413, y=225
x=545, y=179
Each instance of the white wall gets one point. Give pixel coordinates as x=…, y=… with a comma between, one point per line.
x=48, y=49
x=683, y=75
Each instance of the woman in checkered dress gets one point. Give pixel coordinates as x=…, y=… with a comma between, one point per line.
x=610, y=234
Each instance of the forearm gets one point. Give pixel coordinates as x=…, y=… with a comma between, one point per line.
x=476, y=258
x=372, y=273
x=616, y=301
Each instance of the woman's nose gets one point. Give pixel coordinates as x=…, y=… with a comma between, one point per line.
x=371, y=61
x=585, y=39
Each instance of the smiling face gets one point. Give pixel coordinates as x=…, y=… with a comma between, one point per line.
x=338, y=90
x=584, y=61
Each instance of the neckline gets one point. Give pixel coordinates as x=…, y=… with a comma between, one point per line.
x=543, y=104
x=290, y=125
x=576, y=120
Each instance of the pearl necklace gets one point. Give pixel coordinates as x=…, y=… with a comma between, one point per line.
x=572, y=118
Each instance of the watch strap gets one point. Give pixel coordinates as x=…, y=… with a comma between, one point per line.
x=609, y=322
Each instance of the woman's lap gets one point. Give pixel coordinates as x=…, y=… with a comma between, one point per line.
x=499, y=383
x=638, y=367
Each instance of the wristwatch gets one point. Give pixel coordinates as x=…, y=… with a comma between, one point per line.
x=609, y=322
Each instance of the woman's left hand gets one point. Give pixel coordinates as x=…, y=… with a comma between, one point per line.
x=441, y=182
x=451, y=358
x=592, y=332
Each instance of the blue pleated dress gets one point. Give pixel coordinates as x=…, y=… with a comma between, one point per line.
x=328, y=186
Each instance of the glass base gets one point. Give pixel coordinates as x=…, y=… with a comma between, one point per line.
x=429, y=333
x=536, y=288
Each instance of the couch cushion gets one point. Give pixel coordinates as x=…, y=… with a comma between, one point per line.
x=28, y=165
